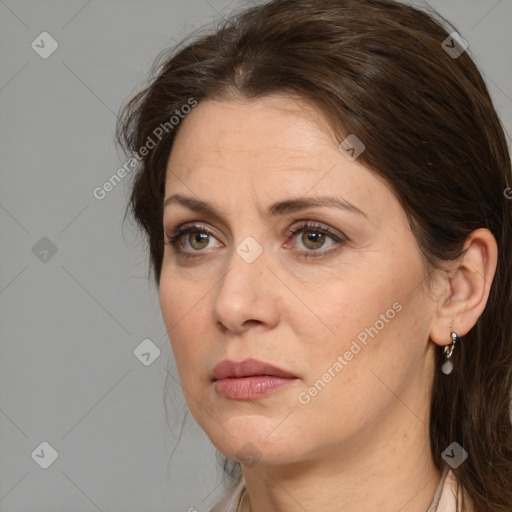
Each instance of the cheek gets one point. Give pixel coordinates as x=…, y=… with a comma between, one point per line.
x=347, y=309
x=182, y=314
x=172, y=308
x=364, y=325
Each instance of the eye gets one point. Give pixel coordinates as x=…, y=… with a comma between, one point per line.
x=314, y=237
x=198, y=238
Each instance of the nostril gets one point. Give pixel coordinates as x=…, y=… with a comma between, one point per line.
x=251, y=322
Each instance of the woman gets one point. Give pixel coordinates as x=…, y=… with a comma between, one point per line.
x=323, y=185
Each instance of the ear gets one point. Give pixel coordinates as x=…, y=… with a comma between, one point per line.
x=465, y=287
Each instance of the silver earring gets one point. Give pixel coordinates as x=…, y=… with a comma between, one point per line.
x=448, y=351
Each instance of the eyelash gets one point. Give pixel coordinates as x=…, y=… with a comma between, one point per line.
x=172, y=239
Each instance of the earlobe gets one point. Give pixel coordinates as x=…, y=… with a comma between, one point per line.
x=467, y=287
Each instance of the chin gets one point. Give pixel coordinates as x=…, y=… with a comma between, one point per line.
x=249, y=442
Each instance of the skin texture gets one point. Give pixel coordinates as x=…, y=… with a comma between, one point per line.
x=361, y=443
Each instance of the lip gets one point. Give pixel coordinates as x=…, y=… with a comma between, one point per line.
x=248, y=368
x=249, y=379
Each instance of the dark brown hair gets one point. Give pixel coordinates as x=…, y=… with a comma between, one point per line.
x=377, y=69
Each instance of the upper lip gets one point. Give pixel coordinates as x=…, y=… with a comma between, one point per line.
x=247, y=368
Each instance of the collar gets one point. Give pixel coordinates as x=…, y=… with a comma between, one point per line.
x=445, y=497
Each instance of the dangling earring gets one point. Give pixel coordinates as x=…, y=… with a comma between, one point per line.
x=448, y=351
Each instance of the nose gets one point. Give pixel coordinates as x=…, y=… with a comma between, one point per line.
x=246, y=295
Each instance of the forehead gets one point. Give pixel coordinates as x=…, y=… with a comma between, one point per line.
x=264, y=150
x=270, y=129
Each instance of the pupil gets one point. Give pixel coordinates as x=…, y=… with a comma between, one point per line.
x=199, y=238
x=315, y=238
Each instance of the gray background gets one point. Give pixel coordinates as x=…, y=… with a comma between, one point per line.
x=70, y=321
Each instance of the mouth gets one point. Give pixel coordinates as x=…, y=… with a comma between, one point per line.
x=248, y=368
x=249, y=379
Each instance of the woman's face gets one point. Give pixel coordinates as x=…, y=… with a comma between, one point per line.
x=346, y=312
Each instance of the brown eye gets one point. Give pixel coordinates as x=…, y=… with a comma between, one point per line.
x=313, y=239
x=190, y=240
x=198, y=239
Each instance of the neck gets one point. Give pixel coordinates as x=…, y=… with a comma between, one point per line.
x=390, y=473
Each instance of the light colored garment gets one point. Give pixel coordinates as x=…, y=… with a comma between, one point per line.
x=443, y=501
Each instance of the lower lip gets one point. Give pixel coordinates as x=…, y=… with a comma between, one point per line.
x=249, y=388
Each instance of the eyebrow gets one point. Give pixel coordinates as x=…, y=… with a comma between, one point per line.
x=275, y=209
